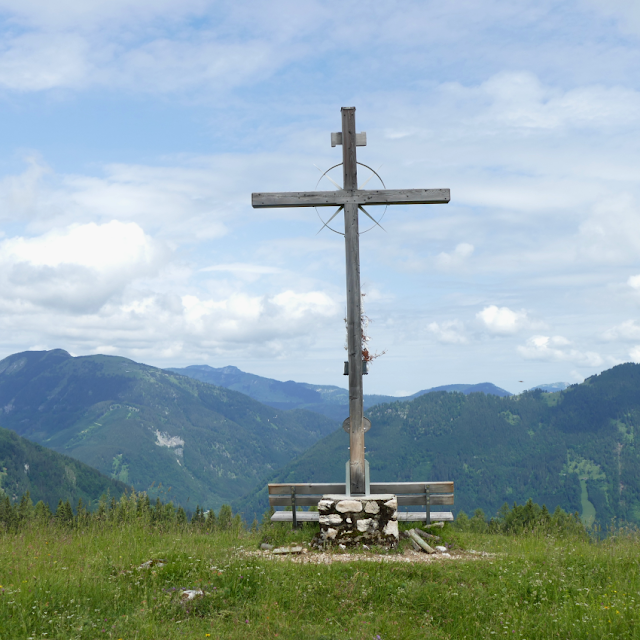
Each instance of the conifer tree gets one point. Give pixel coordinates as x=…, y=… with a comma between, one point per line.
x=25, y=508
x=224, y=517
x=210, y=522
x=41, y=512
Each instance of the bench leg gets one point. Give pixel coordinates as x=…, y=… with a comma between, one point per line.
x=427, y=501
x=293, y=506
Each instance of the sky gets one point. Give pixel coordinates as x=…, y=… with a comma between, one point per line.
x=133, y=132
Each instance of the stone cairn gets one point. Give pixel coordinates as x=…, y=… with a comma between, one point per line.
x=353, y=520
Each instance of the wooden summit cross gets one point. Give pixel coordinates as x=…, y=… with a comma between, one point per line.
x=351, y=199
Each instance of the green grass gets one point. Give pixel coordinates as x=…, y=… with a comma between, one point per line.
x=87, y=584
x=588, y=510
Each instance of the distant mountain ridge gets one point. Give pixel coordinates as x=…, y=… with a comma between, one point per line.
x=553, y=387
x=175, y=437
x=328, y=400
x=576, y=448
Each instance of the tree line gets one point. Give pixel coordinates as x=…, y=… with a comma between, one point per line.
x=129, y=508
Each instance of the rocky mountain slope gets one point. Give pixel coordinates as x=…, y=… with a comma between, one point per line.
x=165, y=433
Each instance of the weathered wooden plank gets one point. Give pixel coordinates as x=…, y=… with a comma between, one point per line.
x=418, y=499
x=354, y=301
x=302, y=516
x=320, y=488
x=420, y=542
x=301, y=501
x=361, y=139
x=411, y=487
x=312, y=501
x=357, y=196
x=309, y=488
x=403, y=516
x=420, y=516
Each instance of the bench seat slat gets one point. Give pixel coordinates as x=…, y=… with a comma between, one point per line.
x=403, y=516
x=301, y=501
x=403, y=501
x=315, y=488
x=411, y=487
x=420, y=516
x=301, y=516
x=320, y=488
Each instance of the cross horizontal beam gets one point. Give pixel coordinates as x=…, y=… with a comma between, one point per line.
x=342, y=197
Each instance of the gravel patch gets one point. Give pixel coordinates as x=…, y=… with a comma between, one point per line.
x=408, y=556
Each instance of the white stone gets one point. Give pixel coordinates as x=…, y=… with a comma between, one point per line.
x=352, y=506
x=391, y=529
x=441, y=549
x=371, y=507
x=363, y=525
x=332, y=518
x=392, y=504
x=380, y=497
x=348, y=521
x=330, y=533
x=325, y=504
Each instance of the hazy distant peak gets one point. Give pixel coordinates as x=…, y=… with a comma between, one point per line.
x=206, y=368
x=551, y=387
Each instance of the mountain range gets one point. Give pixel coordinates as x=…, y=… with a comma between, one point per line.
x=172, y=436
x=328, y=400
x=193, y=442
x=576, y=448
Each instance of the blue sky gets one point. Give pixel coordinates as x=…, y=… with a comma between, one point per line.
x=133, y=133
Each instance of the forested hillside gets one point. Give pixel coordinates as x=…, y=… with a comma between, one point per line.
x=47, y=475
x=175, y=437
x=575, y=448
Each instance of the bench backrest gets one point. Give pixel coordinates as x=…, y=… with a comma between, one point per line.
x=409, y=493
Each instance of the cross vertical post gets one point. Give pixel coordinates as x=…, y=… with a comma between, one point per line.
x=354, y=302
x=352, y=199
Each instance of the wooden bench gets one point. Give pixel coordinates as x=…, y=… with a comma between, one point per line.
x=410, y=494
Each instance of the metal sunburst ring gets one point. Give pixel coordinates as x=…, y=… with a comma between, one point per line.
x=339, y=209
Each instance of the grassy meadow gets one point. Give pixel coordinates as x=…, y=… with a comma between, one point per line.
x=88, y=583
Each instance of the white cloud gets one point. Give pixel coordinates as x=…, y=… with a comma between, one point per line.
x=101, y=247
x=626, y=12
x=456, y=258
x=246, y=272
x=557, y=349
x=65, y=14
x=519, y=101
x=626, y=331
x=79, y=267
x=502, y=320
x=36, y=62
x=612, y=232
x=634, y=282
x=634, y=354
x=449, y=332
x=20, y=194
